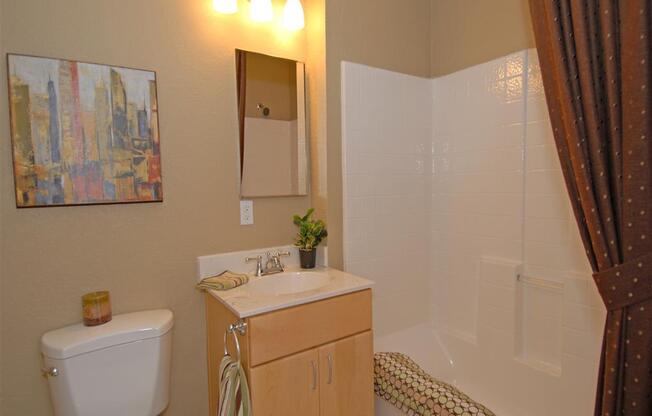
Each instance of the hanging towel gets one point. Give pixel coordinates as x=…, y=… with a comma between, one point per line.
x=225, y=281
x=234, y=390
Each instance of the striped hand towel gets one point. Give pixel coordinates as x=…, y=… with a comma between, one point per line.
x=234, y=389
x=225, y=281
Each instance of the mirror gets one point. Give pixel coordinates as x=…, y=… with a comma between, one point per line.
x=272, y=124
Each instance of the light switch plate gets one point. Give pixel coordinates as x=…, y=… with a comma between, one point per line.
x=246, y=212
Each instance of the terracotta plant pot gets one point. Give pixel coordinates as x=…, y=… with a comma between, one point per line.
x=308, y=258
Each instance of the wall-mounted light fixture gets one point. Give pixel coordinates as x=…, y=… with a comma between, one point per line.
x=293, y=18
x=262, y=11
x=226, y=6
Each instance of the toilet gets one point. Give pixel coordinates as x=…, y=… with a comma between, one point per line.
x=119, y=368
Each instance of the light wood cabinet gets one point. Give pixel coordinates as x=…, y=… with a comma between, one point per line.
x=288, y=386
x=311, y=359
x=346, y=377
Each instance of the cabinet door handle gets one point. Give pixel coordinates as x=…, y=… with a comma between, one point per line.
x=330, y=368
x=314, y=375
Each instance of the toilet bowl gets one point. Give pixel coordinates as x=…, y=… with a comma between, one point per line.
x=119, y=368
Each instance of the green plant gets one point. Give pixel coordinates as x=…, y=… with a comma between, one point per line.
x=311, y=232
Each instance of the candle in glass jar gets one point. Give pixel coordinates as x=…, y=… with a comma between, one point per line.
x=96, y=308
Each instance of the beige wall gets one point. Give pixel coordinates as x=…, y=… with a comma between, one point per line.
x=383, y=33
x=469, y=32
x=316, y=110
x=144, y=253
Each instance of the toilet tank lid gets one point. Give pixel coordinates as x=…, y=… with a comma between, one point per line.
x=79, y=339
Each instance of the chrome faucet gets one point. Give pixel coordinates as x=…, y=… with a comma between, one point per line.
x=274, y=264
x=271, y=266
x=259, y=264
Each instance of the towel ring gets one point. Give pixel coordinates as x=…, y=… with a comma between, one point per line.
x=237, y=344
x=235, y=329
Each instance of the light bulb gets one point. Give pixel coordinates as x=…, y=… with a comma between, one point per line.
x=293, y=18
x=226, y=6
x=261, y=10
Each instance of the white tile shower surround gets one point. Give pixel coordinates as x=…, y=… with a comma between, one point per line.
x=452, y=188
x=386, y=122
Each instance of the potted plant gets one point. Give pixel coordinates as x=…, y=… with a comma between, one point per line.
x=311, y=233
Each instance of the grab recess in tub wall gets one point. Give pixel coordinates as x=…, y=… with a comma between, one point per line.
x=524, y=311
x=539, y=323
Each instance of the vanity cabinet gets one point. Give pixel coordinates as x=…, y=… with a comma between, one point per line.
x=288, y=386
x=346, y=376
x=311, y=359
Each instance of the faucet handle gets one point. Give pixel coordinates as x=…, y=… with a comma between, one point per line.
x=259, y=263
x=276, y=258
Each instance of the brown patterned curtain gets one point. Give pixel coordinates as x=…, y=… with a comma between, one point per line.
x=241, y=77
x=595, y=59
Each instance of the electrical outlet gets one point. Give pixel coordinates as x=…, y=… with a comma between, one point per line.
x=246, y=212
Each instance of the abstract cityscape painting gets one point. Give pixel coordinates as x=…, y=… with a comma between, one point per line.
x=83, y=133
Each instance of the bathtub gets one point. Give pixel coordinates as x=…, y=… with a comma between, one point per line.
x=426, y=347
x=506, y=384
x=420, y=343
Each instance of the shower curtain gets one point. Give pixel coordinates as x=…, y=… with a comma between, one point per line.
x=595, y=60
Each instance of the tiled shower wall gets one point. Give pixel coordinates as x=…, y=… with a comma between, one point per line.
x=452, y=190
x=386, y=125
x=499, y=210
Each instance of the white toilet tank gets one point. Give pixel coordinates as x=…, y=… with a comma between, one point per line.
x=119, y=368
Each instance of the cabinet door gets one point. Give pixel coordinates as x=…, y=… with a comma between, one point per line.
x=288, y=386
x=346, y=377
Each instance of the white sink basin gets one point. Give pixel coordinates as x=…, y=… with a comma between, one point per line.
x=289, y=282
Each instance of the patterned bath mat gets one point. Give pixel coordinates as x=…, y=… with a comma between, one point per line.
x=401, y=382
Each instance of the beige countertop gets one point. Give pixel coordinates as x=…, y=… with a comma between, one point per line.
x=246, y=301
